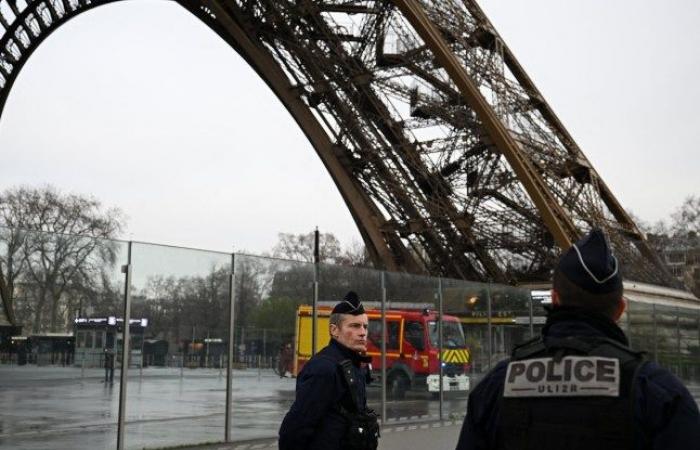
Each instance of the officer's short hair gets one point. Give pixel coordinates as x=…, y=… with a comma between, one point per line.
x=571, y=294
x=336, y=319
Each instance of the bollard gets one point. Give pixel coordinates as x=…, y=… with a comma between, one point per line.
x=82, y=367
x=259, y=367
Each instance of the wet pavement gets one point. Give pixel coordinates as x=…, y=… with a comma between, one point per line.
x=69, y=408
x=435, y=436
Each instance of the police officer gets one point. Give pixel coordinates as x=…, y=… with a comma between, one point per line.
x=579, y=385
x=330, y=409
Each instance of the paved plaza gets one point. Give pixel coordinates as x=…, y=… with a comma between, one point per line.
x=69, y=408
x=433, y=436
x=74, y=409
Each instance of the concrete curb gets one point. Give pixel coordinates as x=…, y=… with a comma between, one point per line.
x=391, y=427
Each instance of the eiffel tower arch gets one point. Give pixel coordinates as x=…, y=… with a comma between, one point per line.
x=448, y=157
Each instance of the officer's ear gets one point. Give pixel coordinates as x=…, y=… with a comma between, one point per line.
x=556, y=301
x=333, y=330
x=619, y=309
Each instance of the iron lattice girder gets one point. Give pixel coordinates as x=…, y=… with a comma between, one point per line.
x=447, y=155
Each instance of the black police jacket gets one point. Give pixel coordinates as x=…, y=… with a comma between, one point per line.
x=314, y=421
x=665, y=416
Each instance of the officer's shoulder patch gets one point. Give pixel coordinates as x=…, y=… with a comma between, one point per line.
x=572, y=376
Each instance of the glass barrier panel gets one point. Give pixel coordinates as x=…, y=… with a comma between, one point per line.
x=668, y=337
x=336, y=281
x=412, y=347
x=541, y=298
x=59, y=364
x=624, y=322
x=179, y=346
x=689, y=344
x=510, y=320
x=272, y=335
x=641, y=327
x=468, y=302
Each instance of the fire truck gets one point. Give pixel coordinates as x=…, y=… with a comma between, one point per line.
x=412, y=347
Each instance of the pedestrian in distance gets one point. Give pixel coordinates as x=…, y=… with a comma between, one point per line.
x=109, y=365
x=286, y=361
x=330, y=408
x=579, y=385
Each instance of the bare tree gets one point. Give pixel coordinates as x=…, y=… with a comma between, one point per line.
x=686, y=219
x=300, y=247
x=355, y=255
x=12, y=264
x=54, y=243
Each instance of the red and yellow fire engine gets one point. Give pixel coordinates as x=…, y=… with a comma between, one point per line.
x=412, y=347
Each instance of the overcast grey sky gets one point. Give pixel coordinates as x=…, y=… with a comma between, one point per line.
x=141, y=105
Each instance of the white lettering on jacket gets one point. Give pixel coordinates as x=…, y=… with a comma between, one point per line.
x=573, y=376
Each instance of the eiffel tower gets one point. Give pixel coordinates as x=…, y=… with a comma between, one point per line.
x=447, y=155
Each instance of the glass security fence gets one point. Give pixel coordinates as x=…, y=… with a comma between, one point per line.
x=60, y=364
x=179, y=346
x=540, y=300
x=64, y=357
x=689, y=345
x=466, y=355
x=666, y=343
x=641, y=327
x=272, y=327
x=412, y=347
x=669, y=335
x=510, y=320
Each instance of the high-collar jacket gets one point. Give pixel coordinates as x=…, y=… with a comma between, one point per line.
x=665, y=414
x=314, y=421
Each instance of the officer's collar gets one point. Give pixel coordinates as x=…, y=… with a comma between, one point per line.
x=351, y=354
x=557, y=316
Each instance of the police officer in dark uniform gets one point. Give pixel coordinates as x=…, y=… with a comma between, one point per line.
x=579, y=385
x=330, y=409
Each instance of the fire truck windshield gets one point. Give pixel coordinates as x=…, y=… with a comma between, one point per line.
x=452, y=334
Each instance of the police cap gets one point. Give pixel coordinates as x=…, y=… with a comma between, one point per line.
x=590, y=264
x=350, y=304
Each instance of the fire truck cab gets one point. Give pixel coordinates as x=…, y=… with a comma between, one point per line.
x=412, y=348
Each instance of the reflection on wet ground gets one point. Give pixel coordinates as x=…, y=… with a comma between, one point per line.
x=75, y=409
x=66, y=408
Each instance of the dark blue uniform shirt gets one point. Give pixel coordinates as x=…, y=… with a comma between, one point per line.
x=314, y=421
x=665, y=417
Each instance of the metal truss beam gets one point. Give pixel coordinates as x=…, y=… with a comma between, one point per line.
x=448, y=157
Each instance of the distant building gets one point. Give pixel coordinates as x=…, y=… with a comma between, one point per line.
x=682, y=256
x=96, y=335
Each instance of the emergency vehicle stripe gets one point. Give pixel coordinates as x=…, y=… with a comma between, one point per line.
x=455, y=356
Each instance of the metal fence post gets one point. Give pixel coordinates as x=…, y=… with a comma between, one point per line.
x=229, y=362
x=678, y=333
x=314, y=305
x=697, y=365
x=628, y=314
x=489, y=331
x=314, y=313
x=126, y=354
x=383, y=406
x=532, y=315
x=656, y=341
x=441, y=369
